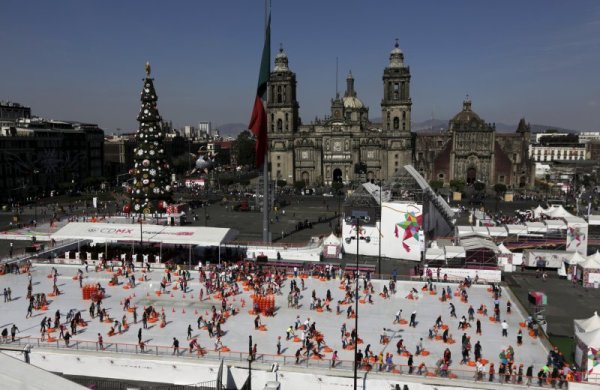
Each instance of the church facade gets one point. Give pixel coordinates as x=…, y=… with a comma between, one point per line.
x=471, y=150
x=346, y=146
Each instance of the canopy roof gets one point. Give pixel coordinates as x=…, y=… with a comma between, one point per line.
x=557, y=212
x=594, y=220
x=555, y=224
x=536, y=227
x=503, y=248
x=113, y=232
x=16, y=374
x=595, y=256
x=591, y=338
x=577, y=258
x=332, y=239
x=478, y=243
x=435, y=254
x=538, y=211
x=588, y=324
x=516, y=229
x=454, y=251
x=590, y=263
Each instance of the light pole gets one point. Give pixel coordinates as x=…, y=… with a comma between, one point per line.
x=379, y=230
x=356, y=217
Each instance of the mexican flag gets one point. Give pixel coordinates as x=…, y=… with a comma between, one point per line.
x=258, y=121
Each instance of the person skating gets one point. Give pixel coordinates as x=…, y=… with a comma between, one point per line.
x=13, y=332
x=139, y=336
x=175, y=346
x=278, y=345
x=504, y=328
x=413, y=319
x=189, y=332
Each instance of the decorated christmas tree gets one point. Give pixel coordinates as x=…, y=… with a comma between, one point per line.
x=151, y=189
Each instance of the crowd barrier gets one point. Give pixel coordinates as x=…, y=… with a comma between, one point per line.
x=209, y=353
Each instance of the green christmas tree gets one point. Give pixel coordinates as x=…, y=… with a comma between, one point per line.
x=151, y=190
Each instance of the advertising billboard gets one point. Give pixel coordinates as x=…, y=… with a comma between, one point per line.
x=401, y=230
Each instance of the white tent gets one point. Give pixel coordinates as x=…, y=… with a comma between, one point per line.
x=557, y=212
x=538, y=211
x=536, y=227
x=516, y=229
x=555, y=224
x=589, y=263
x=435, y=254
x=113, y=232
x=332, y=247
x=497, y=231
x=595, y=256
x=454, y=251
x=503, y=248
x=588, y=324
x=577, y=258
x=594, y=220
x=591, y=338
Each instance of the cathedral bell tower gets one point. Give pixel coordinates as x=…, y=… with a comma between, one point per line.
x=396, y=103
x=282, y=119
x=282, y=107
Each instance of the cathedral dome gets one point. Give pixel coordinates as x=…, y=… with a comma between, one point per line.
x=467, y=119
x=352, y=102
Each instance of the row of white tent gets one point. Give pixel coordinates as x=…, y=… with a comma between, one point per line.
x=562, y=218
x=587, y=335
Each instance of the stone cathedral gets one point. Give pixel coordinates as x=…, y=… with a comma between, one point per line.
x=346, y=146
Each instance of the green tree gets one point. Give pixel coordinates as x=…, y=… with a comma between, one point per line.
x=457, y=185
x=436, y=185
x=500, y=189
x=479, y=186
x=244, y=148
x=337, y=186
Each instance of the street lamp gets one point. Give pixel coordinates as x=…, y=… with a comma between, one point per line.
x=355, y=218
x=379, y=230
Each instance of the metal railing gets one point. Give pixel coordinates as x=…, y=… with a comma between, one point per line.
x=462, y=373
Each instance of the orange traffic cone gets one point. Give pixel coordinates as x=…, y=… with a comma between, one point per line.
x=183, y=296
x=183, y=311
x=173, y=310
x=196, y=312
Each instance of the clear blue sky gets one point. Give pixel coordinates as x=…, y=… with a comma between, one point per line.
x=84, y=60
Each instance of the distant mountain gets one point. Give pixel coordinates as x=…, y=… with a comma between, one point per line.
x=439, y=124
x=231, y=129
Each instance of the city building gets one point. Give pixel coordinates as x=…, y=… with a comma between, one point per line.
x=347, y=146
x=41, y=155
x=471, y=150
x=11, y=112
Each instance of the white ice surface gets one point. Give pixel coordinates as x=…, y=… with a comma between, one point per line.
x=372, y=317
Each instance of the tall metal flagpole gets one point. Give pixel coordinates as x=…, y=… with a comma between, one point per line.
x=265, y=231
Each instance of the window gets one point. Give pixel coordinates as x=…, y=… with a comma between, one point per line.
x=278, y=165
x=441, y=176
x=396, y=155
x=501, y=179
x=396, y=163
x=403, y=115
x=279, y=124
x=286, y=121
x=419, y=156
x=440, y=143
x=396, y=123
x=278, y=157
x=272, y=122
x=279, y=94
x=396, y=91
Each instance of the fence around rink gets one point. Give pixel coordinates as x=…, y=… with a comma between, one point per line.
x=289, y=361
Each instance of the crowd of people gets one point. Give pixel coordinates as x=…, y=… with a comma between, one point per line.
x=226, y=282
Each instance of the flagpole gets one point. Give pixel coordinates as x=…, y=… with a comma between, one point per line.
x=265, y=235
